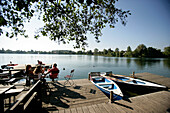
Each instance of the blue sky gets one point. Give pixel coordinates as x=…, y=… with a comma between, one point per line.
x=149, y=24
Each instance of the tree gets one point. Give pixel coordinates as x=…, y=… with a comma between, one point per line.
x=64, y=21
x=154, y=53
x=121, y=53
x=117, y=52
x=105, y=52
x=140, y=51
x=110, y=52
x=129, y=49
x=79, y=52
x=167, y=51
x=89, y=52
x=128, y=52
x=96, y=51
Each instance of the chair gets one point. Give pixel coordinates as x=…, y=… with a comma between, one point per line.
x=69, y=78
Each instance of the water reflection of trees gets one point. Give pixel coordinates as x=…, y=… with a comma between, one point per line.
x=128, y=61
x=96, y=58
x=166, y=63
x=143, y=62
x=116, y=60
x=107, y=59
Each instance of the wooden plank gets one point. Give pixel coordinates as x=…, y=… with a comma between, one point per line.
x=67, y=110
x=108, y=108
x=91, y=109
x=61, y=111
x=73, y=110
x=117, y=107
x=147, y=104
x=30, y=99
x=102, y=108
x=85, y=109
x=130, y=106
x=79, y=110
x=96, y=108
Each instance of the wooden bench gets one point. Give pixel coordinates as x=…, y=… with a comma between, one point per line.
x=13, y=92
x=25, y=100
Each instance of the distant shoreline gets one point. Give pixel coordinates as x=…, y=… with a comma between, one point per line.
x=75, y=54
x=140, y=52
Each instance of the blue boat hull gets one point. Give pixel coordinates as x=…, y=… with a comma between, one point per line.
x=107, y=93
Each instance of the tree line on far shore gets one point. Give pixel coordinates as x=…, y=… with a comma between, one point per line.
x=140, y=51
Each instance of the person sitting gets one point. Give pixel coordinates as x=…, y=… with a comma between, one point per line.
x=53, y=72
x=29, y=74
x=38, y=73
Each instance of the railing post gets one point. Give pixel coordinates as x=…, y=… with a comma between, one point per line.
x=111, y=96
x=133, y=74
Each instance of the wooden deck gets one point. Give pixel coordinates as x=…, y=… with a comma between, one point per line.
x=86, y=98
x=150, y=103
x=84, y=93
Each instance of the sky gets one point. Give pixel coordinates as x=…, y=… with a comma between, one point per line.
x=149, y=24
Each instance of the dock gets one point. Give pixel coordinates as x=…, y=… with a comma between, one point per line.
x=83, y=93
x=82, y=99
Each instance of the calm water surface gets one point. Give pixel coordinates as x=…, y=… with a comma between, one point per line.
x=83, y=64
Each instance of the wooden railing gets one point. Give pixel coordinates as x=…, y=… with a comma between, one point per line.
x=31, y=98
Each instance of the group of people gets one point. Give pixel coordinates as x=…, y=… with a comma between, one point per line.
x=39, y=73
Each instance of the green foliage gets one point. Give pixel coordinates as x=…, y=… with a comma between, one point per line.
x=128, y=52
x=65, y=21
x=89, y=52
x=96, y=51
x=167, y=51
x=117, y=52
x=140, y=51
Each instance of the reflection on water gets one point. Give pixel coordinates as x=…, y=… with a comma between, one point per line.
x=128, y=61
x=166, y=63
x=83, y=64
x=146, y=62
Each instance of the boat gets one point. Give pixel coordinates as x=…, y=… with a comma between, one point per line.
x=8, y=66
x=106, y=85
x=130, y=83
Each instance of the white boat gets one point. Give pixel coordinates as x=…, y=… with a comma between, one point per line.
x=106, y=85
x=132, y=83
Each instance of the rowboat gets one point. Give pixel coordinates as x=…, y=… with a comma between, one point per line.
x=106, y=86
x=130, y=83
x=8, y=66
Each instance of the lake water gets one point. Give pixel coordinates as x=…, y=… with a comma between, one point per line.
x=83, y=64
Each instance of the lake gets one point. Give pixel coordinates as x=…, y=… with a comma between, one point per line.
x=83, y=64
